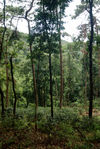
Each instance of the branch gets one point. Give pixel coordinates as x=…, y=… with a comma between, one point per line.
x=4, y=31
x=31, y=5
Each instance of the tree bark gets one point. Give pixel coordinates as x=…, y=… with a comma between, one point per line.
x=34, y=79
x=61, y=70
x=1, y=51
x=56, y=88
x=13, y=85
x=35, y=87
x=50, y=72
x=44, y=97
x=7, y=78
x=4, y=26
x=90, y=59
x=50, y=64
x=2, y=102
x=98, y=49
x=32, y=63
x=61, y=59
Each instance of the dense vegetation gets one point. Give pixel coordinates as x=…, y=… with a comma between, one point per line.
x=49, y=87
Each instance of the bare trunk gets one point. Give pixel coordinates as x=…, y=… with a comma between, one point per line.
x=13, y=85
x=3, y=34
x=90, y=60
x=61, y=59
x=50, y=71
x=34, y=79
x=2, y=102
x=1, y=51
x=44, y=97
x=7, y=86
x=61, y=71
x=98, y=91
x=38, y=69
x=35, y=87
x=98, y=48
x=32, y=63
x=7, y=78
x=57, y=95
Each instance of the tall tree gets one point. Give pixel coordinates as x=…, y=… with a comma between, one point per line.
x=2, y=47
x=4, y=29
x=60, y=51
x=2, y=102
x=32, y=61
x=60, y=10
x=13, y=85
x=87, y=5
x=45, y=23
x=90, y=57
x=7, y=75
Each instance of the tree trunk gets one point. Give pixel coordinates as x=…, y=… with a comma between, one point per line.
x=50, y=66
x=56, y=88
x=90, y=60
x=4, y=26
x=13, y=85
x=50, y=72
x=35, y=88
x=34, y=79
x=32, y=63
x=7, y=86
x=38, y=69
x=2, y=102
x=60, y=51
x=1, y=51
x=37, y=81
x=7, y=78
x=44, y=97
x=61, y=70
x=98, y=49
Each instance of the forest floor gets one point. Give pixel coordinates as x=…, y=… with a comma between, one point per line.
x=30, y=139
x=65, y=131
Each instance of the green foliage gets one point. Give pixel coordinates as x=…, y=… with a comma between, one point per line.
x=61, y=117
x=17, y=122
x=67, y=126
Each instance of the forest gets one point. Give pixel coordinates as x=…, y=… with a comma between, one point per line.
x=49, y=86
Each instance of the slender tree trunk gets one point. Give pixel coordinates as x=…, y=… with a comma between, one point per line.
x=99, y=70
x=61, y=70
x=61, y=59
x=4, y=31
x=32, y=63
x=50, y=65
x=37, y=81
x=38, y=69
x=1, y=51
x=7, y=78
x=7, y=86
x=13, y=85
x=34, y=79
x=98, y=49
x=90, y=60
x=56, y=88
x=2, y=102
x=50, y=72
x=35, y=88
x=44, y=97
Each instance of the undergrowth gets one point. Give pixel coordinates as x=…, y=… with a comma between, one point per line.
x=67, y=126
